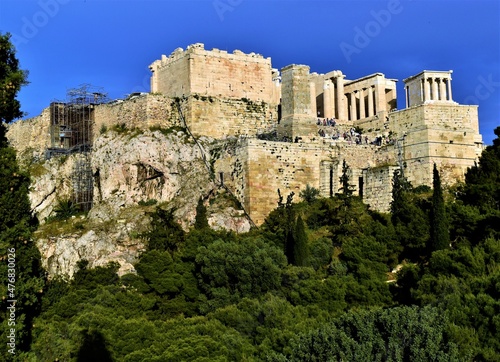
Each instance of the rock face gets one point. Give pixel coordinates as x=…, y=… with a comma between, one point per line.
x=133, y=171
x=150, y=166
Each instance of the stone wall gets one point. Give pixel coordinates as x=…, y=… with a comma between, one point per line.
x=298, y=106
x=31, y=137
x=214, y=73
x=222, y=117
x=377, y=190
x=142, y=112
x=442, y=133
x=259, y=168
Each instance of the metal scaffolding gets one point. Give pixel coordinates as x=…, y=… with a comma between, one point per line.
x=71, y=126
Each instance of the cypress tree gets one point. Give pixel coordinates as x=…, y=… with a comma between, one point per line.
x=300, y=247
x=400, y=188
x=347, y=188
x=289, y=232
x=440, y=237
x=201, y=221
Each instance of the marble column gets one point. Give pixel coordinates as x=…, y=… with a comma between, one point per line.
x=448, y=84
x=362, y=104
x=354, y=110
x=427, y=90
x=312, y=92
x=435, y=94
x=328, y=110
x=340, y=98
x=371, y=111
x=442, y=90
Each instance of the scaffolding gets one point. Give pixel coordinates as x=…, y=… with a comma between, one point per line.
x=71, y=126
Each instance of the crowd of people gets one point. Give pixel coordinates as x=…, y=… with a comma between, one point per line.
x=326, y=122
x=351, y=136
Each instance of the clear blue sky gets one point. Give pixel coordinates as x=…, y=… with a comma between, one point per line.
x=110, y=43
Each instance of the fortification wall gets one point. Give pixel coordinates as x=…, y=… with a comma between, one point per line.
x=222, y=117
x=443, y=133
x=265, y=166
x=377, y=190
x=171, y=76
x=214, y=73
x=31, y=137
x=142, y=112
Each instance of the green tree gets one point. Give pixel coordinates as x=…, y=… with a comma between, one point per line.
x=440, y=236
x=90, y=278
x=410, y=219
x=481, y=193
x=482, y=181
x=396, y=334
x=347, y=189
x=165, y=234
x=300, y=245
x=201, y=221
x=309, y=194
x=170, y=280
x=16, y=221
x=228, y=271
x=11, y=80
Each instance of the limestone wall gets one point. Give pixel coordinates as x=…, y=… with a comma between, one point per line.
x=442, y=133
x=31, y=137
x=265, y=166
x=221, y=117
x=214, y=73
x=140, y=112
x=298, y=98
x=377, y=190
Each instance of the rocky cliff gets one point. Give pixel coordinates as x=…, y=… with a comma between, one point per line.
x=134, y=171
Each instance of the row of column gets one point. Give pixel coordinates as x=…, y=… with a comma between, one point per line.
x=436, y=89
x=333, y=98
x=336, y=103
x=364, y=111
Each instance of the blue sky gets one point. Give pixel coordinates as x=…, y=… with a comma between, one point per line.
x=110, y=43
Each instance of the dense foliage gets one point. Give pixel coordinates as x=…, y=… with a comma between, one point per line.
x=316, y=282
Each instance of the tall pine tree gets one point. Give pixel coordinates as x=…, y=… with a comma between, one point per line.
x=201, y=220
x=347, y=189
x=410, y=221
x=11, y=80
x=20, y=261
x=440, y=235
x=300, y=246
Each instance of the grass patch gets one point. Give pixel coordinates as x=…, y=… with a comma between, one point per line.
x=120, y=128
x=57, y=228
x=150, y=202
x=167, y=131
x=37, y=170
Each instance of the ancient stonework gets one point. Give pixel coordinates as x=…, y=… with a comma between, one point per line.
x=227, y=126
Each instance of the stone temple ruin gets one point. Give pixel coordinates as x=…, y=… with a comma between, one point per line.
x=289, y=128
x=241, y=95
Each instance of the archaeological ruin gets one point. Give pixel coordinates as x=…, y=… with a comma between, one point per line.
x=288, y=128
